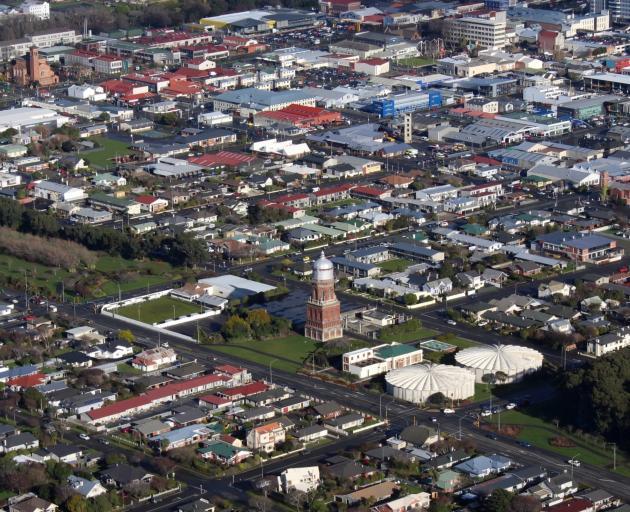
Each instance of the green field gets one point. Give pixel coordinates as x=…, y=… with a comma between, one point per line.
x=294, y=350
x=405, y=336
x=396, y=265
x=158, y=310
x=108, y=149
x=538, y=432
x=103, y=279
x=415, y=62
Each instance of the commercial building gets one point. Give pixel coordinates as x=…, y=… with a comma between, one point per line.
x=45, y=39
x=251, y=100
x=297, y=116
x=22, y=118
x=367, y=362
x=568, y=24
x=406, y=102
x=581, y=247
x=484, y=30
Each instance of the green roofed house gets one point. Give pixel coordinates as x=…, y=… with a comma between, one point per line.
x=536, y=181
x=474, y=229
x=224, y=452
x=12, y=150
x=326, y=231
x=371, y=361
x=115, y=204
x=299, y=222
x=447, y=480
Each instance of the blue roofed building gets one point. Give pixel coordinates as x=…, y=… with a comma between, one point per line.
x=182, y=437
x=580, y=247
x=482, y=466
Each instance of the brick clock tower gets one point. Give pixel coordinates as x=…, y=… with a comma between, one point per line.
x=323, y=311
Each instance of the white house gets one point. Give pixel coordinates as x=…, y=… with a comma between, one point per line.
x=86, y=488
x=438, y=287
x=57, y=192
x=38, y=10
x=300, y=479
x=610, y=342
x=552, y=288
x=87, y=92
x=154, y=358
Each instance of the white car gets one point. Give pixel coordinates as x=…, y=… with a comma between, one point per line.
x=510, y=406
x=574, y=462
x=85, y=437
x=451, y=322
x=448, y=411
x=487, y=412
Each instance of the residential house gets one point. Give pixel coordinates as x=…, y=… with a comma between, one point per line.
x=19, y=441
x=438, y=287
x=30, y=503
x=86, y=488
x=346, y=421
x=555, y=288
x=609, y=342
x=328, y=410
x=482, y=466
x=266, y=437
x=310, y=434
x=152, y=359
x=181, y=437
x=344, y=468
x=66, y=453
x=303, y=479
x=121, y=475
x=224, y=453
x=373, y=493
x=410, y=502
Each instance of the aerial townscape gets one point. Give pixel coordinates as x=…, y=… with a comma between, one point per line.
x=314, y=255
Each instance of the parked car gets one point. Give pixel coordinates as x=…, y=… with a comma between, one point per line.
x=524, y=444
x=486, y=412
x=85, y=437
x=451, y=322
x=510, y=406
x=448, y=411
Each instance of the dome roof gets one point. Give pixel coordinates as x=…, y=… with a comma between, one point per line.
x=508, y=359
x=429, y=378
x=322, y=263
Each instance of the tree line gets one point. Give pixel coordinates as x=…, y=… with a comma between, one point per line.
x=180, y=249
x=604, y=397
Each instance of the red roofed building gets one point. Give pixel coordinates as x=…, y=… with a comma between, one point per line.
x=100, y=63
x=223, y=159
x=182, y=89
x=239, y=392
x=155, y=83
x=236, y=373
x=478, y=159
x=240, y=45
x=215, y=402
x=200, y=63
x=574, y=505
x=330, y=194
x=123, y=88
x=299, y=116
x=26, y=381
x=338, y=6
x=296, y=200
x=372, y=67
x=370, y=192
x=151, y=204
x=154, y=397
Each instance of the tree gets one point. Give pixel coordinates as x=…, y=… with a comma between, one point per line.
x=259, y=322
x=126, y=335
x=437, y=399
x=410, y=299
x=440, y=504
x=76, y=503
x=525, y=504
x=236, y=328
x=498, y=501
x=260, y=503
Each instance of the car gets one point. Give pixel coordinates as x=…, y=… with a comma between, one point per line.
x=574, y=462
x=448, y=411
x=85, y=437
x=486, y=412
x=510, y=406
x=495, y=410
x=103, y=441
x=53, y=309
x=492, y=436
x=434, y=419
x=451, y=322
x=524, y=444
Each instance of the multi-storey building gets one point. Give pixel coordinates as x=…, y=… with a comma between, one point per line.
x=323, y=311
x=484, y=30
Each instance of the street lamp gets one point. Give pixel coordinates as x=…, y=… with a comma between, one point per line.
x=614, y=445
x=271, y=371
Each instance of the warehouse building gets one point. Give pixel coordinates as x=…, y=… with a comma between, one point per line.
x=251, y=100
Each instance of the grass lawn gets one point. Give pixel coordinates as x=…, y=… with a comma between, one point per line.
x=294, y=350
x=460, y=342
x=39, y=276
x=538, y=432
x=415, y=62
x=406, y=336
x=108, y=149
x=482, y=393
x=126, y=369
x=396, y=265
x=158, y=310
